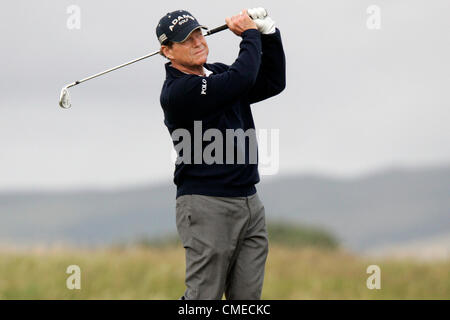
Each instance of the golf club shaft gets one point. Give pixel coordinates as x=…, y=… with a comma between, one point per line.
x=209, y=32
x=112, y=69
x=212, y=31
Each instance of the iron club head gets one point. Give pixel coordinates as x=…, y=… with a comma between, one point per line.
x=64, y=99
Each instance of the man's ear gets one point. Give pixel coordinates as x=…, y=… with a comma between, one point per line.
x=167, y=52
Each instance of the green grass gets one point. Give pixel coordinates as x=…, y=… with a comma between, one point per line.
x=293, y=235
x=280, y=233
x=158, y=273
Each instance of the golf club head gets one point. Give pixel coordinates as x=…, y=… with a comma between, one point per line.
x=64, y=99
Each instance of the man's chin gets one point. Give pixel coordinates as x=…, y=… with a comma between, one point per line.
x=202, y=61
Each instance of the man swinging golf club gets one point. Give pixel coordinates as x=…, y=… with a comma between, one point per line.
x=219, y=216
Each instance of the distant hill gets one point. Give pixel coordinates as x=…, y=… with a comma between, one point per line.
x=372, y=211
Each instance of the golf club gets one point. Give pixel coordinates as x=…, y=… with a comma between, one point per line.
x=64, y=98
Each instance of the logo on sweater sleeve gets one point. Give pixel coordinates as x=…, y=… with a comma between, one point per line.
x=203, y=86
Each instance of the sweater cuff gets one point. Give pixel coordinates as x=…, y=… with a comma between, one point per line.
x=250, y=33
x=276, y=32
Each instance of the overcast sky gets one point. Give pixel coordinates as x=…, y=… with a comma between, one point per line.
x=357, y=99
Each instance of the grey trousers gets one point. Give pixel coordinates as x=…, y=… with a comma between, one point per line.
x=226, y=246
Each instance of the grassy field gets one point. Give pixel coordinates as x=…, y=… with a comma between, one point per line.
x=158, y=273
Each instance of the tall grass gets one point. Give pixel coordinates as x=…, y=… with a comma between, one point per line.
x=158, y=273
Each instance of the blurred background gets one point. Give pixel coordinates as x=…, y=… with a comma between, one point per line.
x=364, y=162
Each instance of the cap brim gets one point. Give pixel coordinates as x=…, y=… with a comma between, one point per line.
x=190, y=32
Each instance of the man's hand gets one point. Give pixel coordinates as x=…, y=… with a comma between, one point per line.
x=240, y=22
x=264, y=23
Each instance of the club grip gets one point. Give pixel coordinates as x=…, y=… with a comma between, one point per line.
x=224, y=27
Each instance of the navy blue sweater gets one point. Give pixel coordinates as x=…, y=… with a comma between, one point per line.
x=222, y=101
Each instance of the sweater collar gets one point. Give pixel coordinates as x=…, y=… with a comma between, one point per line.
x=172, y=72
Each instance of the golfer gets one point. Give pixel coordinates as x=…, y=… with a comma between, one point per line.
x=219, y=216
